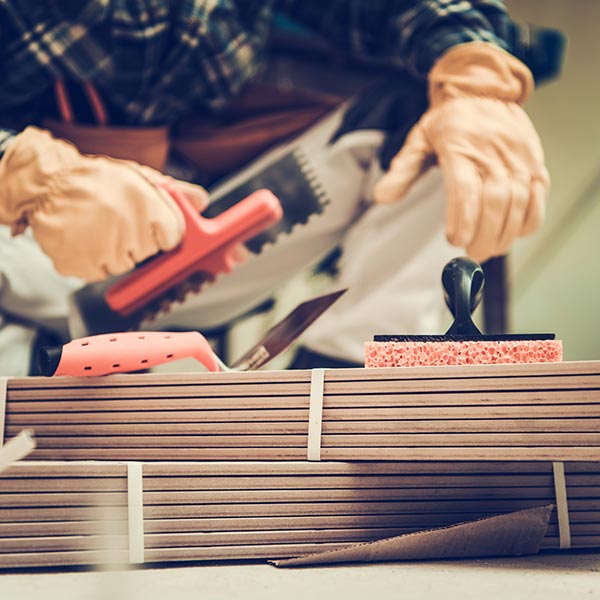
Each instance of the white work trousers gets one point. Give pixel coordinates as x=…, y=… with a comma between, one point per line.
x=32, y=295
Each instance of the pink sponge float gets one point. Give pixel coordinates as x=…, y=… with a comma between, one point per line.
x=423, y=353
x=463, y=343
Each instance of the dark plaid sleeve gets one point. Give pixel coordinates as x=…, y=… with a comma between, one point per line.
x=409, y=33
x=151, y=61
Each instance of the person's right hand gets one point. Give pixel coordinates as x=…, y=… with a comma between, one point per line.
x=94, y=216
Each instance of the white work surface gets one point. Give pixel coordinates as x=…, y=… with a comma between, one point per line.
x=555, y=576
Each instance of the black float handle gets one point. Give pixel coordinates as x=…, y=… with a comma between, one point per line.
x=463, y=281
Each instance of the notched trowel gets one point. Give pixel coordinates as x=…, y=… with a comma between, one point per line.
x=277, y=197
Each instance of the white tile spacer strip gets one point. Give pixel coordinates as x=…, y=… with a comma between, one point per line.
x=3, y=392
x=135, y=512
x=562, y=506
x=315, y=414
x=16, y=448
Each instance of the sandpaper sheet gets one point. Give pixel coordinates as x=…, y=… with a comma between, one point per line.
x=514, y=534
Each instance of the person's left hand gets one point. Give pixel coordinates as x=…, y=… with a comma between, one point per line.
x=489, y=152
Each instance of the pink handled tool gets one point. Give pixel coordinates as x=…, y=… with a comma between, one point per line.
x=208, y=248
x=126, y=352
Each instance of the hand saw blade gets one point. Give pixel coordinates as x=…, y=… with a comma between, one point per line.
x=283, y=334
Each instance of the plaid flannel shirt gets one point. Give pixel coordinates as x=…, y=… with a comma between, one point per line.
x=152, y=60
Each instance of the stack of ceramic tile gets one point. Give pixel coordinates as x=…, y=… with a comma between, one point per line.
x=498, y=412
x=472, y=441
x=78, y=513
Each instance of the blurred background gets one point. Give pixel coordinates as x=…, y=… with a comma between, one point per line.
x=555, y=274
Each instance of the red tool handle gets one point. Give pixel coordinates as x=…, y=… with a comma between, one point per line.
x=126, y=352
x=207, y=246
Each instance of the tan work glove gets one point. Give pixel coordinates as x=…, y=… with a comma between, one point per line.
x=489, y=152
x=93, y=216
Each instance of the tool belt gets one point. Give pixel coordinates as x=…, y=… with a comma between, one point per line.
x=259, y=118
x=145, y=145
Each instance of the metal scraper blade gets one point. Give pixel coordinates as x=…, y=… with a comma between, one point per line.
x=283, y=334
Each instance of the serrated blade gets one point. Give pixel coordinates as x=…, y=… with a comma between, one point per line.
x=90, y=314
x=290, y=178
x=283, y=334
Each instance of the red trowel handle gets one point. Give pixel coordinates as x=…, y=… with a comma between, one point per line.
x=207, y=246
x=125, y=352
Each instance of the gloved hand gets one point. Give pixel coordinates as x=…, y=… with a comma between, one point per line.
x=489, y=152
x=92, y=215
